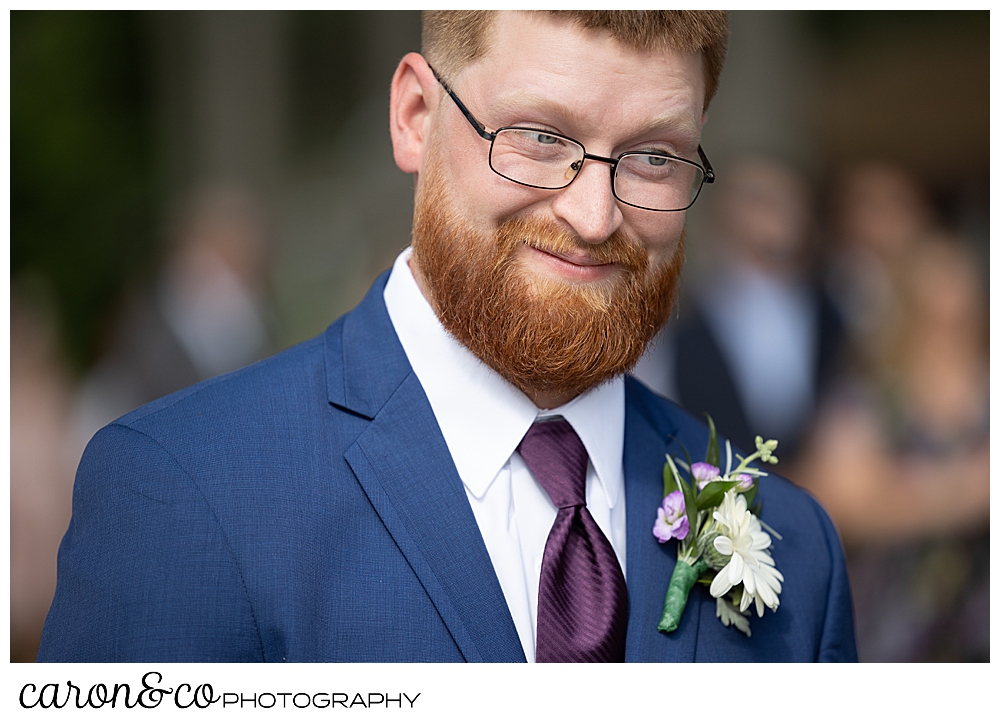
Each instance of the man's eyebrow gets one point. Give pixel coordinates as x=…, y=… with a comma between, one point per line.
x=520, y=101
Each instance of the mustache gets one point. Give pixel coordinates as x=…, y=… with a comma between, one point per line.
x=619, y=248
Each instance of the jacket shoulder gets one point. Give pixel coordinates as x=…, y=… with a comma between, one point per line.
x=283, y=372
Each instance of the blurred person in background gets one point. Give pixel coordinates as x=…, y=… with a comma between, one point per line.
x=879, y=213
x=718, y=358
x=900, y=454
x=204, y=316
x=41, y=468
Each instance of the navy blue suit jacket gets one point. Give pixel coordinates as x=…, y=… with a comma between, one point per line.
x=306, y=508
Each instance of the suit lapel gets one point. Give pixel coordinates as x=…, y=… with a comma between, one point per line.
x=649, y=563
x=402, y=462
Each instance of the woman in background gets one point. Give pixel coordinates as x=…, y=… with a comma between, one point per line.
x=899, y=455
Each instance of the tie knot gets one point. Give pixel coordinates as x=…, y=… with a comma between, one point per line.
x=558, y=460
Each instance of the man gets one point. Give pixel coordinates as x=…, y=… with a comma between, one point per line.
x=410, y=486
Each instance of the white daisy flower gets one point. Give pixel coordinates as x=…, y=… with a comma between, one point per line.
x=745, y=543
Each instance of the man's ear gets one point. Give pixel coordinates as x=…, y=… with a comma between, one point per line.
x=413, y=98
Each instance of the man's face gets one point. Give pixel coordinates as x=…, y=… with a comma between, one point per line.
x=565, y=257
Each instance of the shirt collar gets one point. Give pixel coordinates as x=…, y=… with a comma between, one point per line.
x=481, y=415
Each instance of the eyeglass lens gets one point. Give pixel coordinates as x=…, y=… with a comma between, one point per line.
x=535, y=158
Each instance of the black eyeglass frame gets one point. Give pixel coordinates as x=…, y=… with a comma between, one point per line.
x=708, y=174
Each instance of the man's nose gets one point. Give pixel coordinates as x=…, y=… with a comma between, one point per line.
x=588, y=204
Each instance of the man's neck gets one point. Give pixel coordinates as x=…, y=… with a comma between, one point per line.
x=548, y=401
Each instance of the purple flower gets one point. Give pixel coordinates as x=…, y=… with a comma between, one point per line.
x=703, y=473
x=671, y=519
x=745, y=482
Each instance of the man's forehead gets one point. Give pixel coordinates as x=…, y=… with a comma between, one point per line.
x=520, y=39
x=537, y=61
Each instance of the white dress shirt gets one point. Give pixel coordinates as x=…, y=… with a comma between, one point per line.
x=483, y=418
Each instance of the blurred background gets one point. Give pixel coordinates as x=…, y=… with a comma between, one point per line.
x=191, y=191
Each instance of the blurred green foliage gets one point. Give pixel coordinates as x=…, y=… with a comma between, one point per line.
x=325, y=59
x=841, y=27
x=81, y=163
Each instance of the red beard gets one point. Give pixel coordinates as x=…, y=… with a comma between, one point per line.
x=544, y=336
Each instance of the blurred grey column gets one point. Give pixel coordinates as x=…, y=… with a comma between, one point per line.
x=762, y=106
x=221, y=99
x=346, y=209
x=762, y=103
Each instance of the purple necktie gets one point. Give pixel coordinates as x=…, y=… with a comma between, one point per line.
x=582, y=600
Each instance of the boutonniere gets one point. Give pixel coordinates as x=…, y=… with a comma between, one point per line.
x=721, y=540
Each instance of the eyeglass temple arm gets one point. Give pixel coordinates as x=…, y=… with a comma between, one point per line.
x=709, y=173
x=479, y=127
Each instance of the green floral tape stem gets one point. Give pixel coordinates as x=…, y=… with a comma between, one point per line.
x=683, y=579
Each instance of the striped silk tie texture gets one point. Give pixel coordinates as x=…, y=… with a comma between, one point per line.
x=582, y=599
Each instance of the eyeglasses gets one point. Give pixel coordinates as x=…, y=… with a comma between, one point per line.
x=538, y=158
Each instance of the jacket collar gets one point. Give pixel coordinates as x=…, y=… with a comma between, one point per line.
x=365, y=363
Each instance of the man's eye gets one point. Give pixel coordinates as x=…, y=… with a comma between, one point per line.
x=656, y=160
x=544, y=139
